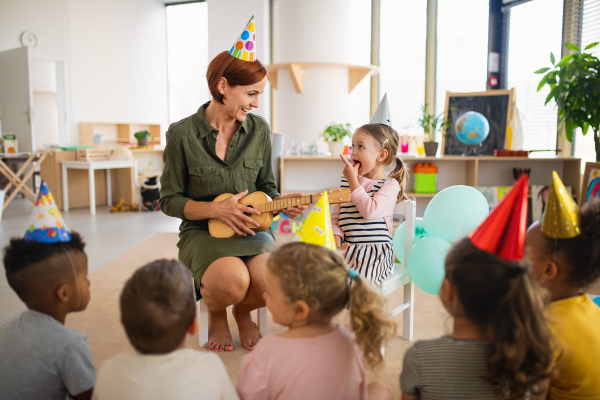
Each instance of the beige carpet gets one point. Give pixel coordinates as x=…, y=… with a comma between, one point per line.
x=100, y=322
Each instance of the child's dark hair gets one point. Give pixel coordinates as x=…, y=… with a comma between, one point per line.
x=582, y=252
x=389, y=140
x=319, y=277
x=33, y=268
x=498, y=294
x=158, y=306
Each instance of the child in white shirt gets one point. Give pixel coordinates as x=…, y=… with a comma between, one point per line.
x=158, y=310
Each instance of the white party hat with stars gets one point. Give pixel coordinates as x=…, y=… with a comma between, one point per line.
x=244, y=47
x=382, y=114
x=561, y=216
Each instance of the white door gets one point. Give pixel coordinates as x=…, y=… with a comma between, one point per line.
x=16, y=100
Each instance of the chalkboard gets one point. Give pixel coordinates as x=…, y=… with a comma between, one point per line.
x=495, y=105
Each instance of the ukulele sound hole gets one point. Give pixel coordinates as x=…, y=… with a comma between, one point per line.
x=249, y=214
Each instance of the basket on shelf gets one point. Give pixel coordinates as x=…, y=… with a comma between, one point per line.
x=93, y=154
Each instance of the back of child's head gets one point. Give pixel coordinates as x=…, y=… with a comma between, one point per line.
x=319, y=277
x=498, y=295
x=158, y=306
x=34, y=268
x=389, y=140
x=580, y=254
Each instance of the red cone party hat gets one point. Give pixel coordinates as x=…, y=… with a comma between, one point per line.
x=503, y=231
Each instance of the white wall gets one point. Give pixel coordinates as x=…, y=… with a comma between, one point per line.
x=119, y=61
x=114, y=53
x=226, y=21
x=319, y=31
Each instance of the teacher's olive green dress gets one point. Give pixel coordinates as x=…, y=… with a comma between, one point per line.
x=193, y=171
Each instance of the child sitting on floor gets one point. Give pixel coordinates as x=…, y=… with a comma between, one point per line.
x=365, y=224
x=306, y=286
x=39, y=357
x=500, y=346
x=158, y=311
x=564, y=258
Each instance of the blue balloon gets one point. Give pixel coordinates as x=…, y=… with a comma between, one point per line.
x=426, y=263
x=455, y=212
x=399, y=235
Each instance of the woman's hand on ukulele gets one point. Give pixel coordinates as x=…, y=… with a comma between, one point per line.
x=351, y=173
x=293, y=212
x=231, y=213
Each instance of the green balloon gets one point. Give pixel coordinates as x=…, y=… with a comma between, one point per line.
x=426, y=263
x=455, y=212
x=399, y=235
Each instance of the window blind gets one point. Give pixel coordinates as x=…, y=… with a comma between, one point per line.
x=462, y=48
x=589, y=33
x=535, y=30
x=403, y=34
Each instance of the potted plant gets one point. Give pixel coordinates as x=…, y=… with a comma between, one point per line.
x=142, y=138
x=574, y=82
x=431, y=124
x=334, y=134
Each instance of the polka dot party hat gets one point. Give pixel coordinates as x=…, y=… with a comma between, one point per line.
x=46, y=224
x=503, y=231
x=244, y=47
x=382, y=114
x=561, y=216
x=317, y=228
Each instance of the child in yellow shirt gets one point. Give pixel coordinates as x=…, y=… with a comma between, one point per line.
x=563, y=253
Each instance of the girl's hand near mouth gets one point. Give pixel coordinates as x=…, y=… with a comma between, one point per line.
x=351, y=173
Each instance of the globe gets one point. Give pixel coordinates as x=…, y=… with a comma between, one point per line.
x=472, y=128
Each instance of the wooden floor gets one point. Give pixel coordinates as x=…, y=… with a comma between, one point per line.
x=106, y=235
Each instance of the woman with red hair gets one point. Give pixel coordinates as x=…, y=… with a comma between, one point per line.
x=224, y=148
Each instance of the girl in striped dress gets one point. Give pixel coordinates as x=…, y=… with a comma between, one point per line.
x=363, y=227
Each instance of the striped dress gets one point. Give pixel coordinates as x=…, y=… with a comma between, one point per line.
x=365, y=224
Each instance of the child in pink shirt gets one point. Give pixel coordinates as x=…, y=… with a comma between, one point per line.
x=306, y=286
x=365, y=224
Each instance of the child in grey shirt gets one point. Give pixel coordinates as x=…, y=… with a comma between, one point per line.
x=40, y=357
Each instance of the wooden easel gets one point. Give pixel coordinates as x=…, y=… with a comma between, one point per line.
x=14, y=178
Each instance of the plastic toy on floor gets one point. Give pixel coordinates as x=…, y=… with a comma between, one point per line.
x=118, y=207
x=151, y=205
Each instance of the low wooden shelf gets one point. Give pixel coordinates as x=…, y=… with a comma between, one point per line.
x=125, y=131
x=309, y=174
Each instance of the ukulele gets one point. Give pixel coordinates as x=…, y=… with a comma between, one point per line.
x=263, y=203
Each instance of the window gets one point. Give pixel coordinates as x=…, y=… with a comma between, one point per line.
x=590, y=33
x=187, y=58
x=462, y=48
x=403, y=27
x=535, y=30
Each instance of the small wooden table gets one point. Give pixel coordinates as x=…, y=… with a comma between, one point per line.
x=14, y=179
x=91, y=166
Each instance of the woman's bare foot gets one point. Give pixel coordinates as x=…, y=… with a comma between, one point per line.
x=249, y=333
x=219, y=336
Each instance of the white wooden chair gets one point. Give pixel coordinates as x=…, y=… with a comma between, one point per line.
x=400, y=277
x=261, y=321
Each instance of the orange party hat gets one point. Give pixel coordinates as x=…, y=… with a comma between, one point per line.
x=503, y=232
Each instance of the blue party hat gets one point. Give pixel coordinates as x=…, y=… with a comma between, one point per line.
x=46, y=224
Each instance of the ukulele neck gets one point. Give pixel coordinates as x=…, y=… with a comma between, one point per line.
x=276, y=205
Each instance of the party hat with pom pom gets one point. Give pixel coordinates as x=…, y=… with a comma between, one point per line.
x=46, y=224
x=561, y=216
x=317, y=228
x=503, y=231
x=244, y=47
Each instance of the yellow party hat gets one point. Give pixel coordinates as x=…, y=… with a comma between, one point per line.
x=561, y=217
x=317, y=227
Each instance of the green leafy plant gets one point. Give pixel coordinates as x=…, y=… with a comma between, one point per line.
x=141, y=135
x=336, y=132
x=432, y=123
x=575, y=86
